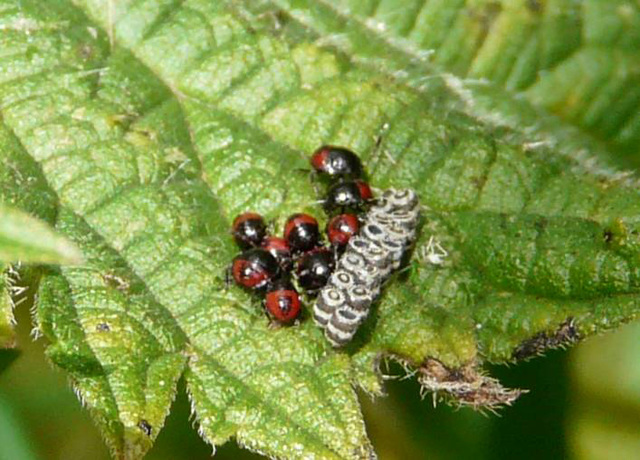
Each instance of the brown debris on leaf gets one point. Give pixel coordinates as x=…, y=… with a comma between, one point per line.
x=566, y=334
x=465, y=386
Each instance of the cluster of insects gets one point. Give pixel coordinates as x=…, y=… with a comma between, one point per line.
x=366, y=240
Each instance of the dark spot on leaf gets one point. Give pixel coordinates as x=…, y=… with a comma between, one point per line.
x=534, y=6
x=145, y=427
x=282, y=18
x=503, y=221
x=103, y=327
x=608, y=236
x=478, y=182
x=86, y=52
x=541, y=224
x=486, y=15
x=449, y=140
x=465, y=385
x=539, y=343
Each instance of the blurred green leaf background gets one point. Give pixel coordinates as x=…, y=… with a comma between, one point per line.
x=583, y=404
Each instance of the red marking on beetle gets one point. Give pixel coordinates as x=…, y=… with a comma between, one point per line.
x=341, y=228
x=280, y=249
x=254, y=268
x=246, y=275
x=283, y=304
x=245, y=216
x=336, y=161
x=248, y=229
x=365, y=190
x=319, y=159
x=275, y=243
x=301, y=232
x=296, y=220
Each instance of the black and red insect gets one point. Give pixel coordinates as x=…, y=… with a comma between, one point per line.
x=341, y=228
x=301, y=232
x=279, y=248
x=282, y=301
x=336, y=162
x=254, y=268
x=249, y=229
x=348, y=195
x=314, y=268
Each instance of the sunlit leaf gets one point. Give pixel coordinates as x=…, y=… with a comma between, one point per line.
x=26, y=239
x=147, y=125
x=7, y=335
x=562, y=70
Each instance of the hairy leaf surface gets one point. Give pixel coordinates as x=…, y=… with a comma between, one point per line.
x=7, y=335
x=567, y=71
x=26, y=239
x=146, y=125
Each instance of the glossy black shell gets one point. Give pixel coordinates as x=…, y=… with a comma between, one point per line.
x=254, y=268
x=302, y=232
x=336, y=162
x=314, y=269
x=344, y=195
x=249, y=229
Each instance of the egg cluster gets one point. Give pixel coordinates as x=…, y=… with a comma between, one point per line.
x=366, y=241
x=369, y=259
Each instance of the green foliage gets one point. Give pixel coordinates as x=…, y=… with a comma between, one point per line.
x=6, y=313
x=143, y=127
x=564, y=70
x=26, y=239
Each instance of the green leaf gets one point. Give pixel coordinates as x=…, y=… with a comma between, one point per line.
x=23, y=238
x=566, y=71
x=145, y=126
x=26, y=239
x=7, y=336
